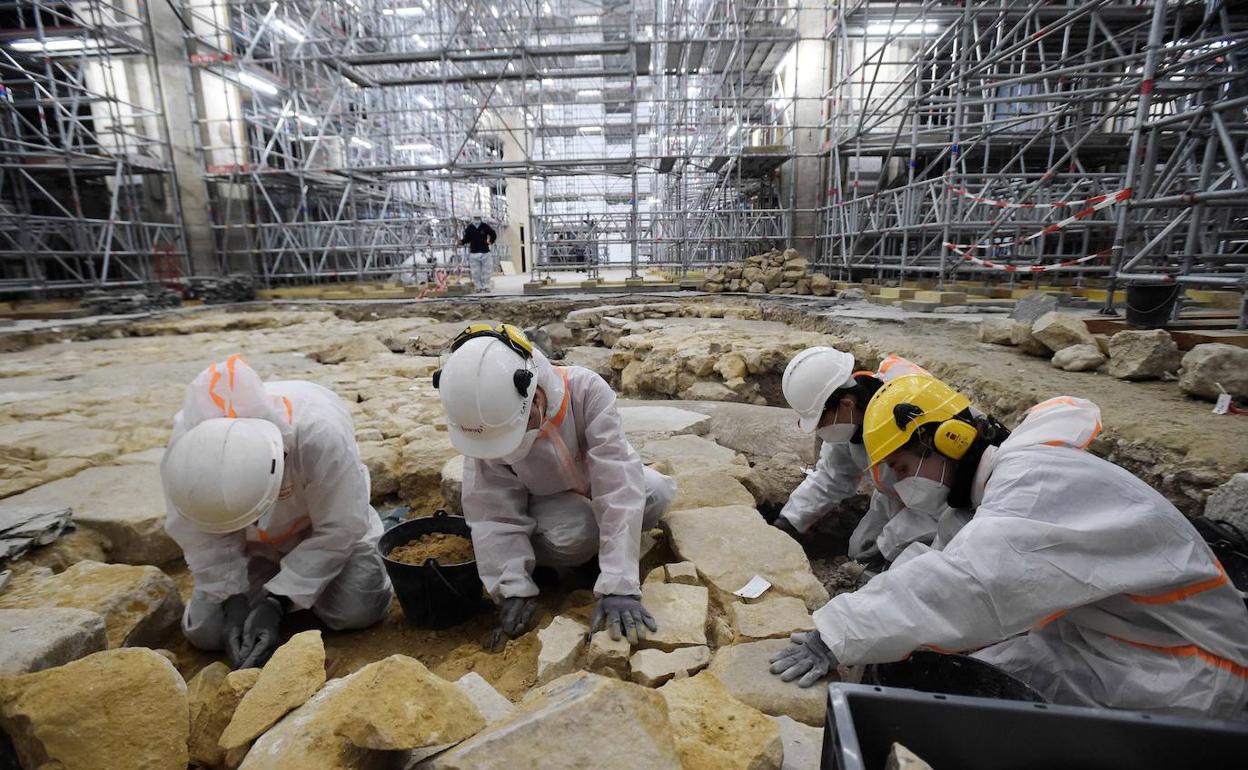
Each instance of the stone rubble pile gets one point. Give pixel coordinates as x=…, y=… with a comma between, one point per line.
x=101, y=302
x=772, y=272
x=1134, y=355
x=237, y=287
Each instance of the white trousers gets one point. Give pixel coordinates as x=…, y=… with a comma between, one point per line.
x=567, y=534
x=357, y=598
x=481, y=268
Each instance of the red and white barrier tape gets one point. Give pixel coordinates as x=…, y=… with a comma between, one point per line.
x=1032, y=268
x=1004, y=204
x=1117, y=197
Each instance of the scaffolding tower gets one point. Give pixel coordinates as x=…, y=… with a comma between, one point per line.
x=86, y=190
x=1086, y=138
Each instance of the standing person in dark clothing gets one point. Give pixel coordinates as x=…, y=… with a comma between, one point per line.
x=479, y=237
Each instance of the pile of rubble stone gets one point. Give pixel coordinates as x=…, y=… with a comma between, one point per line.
x=1205, y=371
x=101, y=302
x=219, y=291
x=772, y=272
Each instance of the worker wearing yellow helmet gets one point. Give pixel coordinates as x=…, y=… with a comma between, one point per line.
x=1073, y=574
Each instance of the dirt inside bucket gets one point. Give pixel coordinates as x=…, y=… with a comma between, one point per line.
x=445, y=548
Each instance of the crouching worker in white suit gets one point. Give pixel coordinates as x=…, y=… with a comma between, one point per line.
x=269, y=501
x=1073, y=575
x=549, y=478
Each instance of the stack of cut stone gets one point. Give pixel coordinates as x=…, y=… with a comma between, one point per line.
x=219, y=291
x=772, y=272
x=101, y=302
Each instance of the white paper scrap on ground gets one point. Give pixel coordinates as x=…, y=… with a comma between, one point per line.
x=753, y=589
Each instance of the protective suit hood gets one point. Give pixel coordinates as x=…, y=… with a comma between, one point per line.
x=550, y=382
x=232, y=388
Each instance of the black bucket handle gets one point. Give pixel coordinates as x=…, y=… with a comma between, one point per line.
x=433, y=565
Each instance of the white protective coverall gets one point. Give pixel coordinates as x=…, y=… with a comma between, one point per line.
x=888, y=526
x=1110, y=596
x=317, y=547
x=581, y=490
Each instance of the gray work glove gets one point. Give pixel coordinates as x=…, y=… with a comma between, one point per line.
x=623, y=616
x=515, y=614
x=785, y=526
x=235, y=610
x=807, y=657
x=262, y=631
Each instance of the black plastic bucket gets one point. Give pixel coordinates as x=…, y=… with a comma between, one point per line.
x=952, y=675
x=1149, y=304
x=432, y=595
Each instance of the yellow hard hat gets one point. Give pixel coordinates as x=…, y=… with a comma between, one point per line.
x=904, y=404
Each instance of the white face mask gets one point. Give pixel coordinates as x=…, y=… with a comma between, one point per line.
x=837, y=433
x=522, y=451
x=923, y=495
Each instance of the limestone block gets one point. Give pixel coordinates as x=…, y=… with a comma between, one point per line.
x=37, y=639
x=715, y=731
x=1229, y=502
x=1022, y=337
x=382, y=462
x=605, y=654
x=578, y=721
x=294, y=673
x=1058, y=331
x=114, y=709
x=1078, y=358
x=803, y=744
x=212, y=695
x=663, y=421
x=773, y=618
x=140, y=605
x=700, y=489
x=1142, y=355
x=821, y=285
x=683, y=572
x=561, y=642
x=686, y=454
x=730, y=545
x=402, y=706
x=654, y=667
x=680, y=611
x=125, y=504
x=1206, y=366
x=745, y=670
x=360, y=347
x=489, y=702
x=996, y=331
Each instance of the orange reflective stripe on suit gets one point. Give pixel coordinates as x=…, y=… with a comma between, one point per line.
x=550, y=431
x=295, y=528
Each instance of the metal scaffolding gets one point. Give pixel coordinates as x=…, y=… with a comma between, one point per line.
x=351, y=138
x=86, y=192
x=1085, y=138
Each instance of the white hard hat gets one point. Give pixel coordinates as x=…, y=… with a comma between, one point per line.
x=225, y=473
x=811, y=377
x=487, y=390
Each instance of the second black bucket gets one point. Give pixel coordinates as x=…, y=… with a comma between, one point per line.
x=1149, y=304
x=432, y=595
x=952, y=675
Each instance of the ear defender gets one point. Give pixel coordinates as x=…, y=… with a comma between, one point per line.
x=954, y=438
x=437, y=378
x=521, y=379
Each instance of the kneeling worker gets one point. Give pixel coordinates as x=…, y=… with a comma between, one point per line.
x=269, y=501
x=830, y=398
x=1073, y=575
x=549, y=478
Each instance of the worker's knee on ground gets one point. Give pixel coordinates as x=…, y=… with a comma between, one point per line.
x=202, y=624
x=566, y=534
x=359, y=596
x=660, y=491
